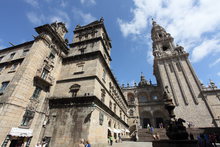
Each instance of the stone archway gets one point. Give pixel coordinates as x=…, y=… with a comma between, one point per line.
x=145, y=118
x=159, y=117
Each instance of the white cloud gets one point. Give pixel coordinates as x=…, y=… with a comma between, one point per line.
x=40, y=19
x=215, y=62
x=205, y=49
x=35, y=18
x=86, y=17
x=60, y=16
x=188, y=22
x=33, y=3
x=88, y=2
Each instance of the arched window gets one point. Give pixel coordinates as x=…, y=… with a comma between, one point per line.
x=131, y=112
x=143, y=97
x=74, y=89
x=130, y=97
x=154, y=97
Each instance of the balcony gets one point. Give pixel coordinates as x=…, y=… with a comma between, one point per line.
x=43, y=78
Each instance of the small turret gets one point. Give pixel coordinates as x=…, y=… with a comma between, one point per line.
x=143, y=82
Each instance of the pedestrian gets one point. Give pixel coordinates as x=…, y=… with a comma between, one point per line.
x=81, y=143
x=87, y=144
x=38, y=144
x=148, y=127
x=119, y=138
x=152, y=129
x=111, y=140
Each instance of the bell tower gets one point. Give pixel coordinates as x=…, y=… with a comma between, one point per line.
x=172, y=68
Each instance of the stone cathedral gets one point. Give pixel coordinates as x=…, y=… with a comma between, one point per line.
x=57, y=92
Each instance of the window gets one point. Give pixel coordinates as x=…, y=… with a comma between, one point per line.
x=28, y=116
x=103, y=95
x=36, y=93
x=178, y=66
x=51, y=56
x=4, y=85
x=114, y=107
x=14, y=66
x=154, y=97
x=171, y=68
x=165, y=47
x=103, y=75
x=79, y=68
x=120, y=114
x=25, y=51
x=12, y=55
x=1, y=68
x=142, y=98
x=1, y=58
x=82, y=50
x=101, y=118
x=74, y=89
x=110, y=105
x=131, y=112
x=44, y=74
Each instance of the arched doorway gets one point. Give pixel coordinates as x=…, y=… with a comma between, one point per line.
x=146, y=118
x=159, y=118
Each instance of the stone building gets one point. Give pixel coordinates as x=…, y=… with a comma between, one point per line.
x=60, y=92
x=197, y=104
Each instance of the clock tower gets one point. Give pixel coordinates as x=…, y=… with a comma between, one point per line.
x=172, y=68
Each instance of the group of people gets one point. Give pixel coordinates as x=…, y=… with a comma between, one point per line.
x=84, y=143
x=205, y=140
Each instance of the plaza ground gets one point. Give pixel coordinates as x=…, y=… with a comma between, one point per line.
x=132, y=144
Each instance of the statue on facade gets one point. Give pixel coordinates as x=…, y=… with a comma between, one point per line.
x=175, y=129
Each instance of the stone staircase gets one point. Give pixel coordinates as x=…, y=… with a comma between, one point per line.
x=144, y=135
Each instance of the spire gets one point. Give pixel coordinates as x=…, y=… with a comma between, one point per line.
x=143, y=82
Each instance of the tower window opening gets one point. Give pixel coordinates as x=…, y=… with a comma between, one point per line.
x=160, y=35
x=171, y=67
x=178, y=66
x=165, y=48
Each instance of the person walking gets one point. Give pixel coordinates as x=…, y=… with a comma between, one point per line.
x=111, y=140
x=87, y=144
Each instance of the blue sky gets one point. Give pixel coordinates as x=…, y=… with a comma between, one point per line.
x=194, y=24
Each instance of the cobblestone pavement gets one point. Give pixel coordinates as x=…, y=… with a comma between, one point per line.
x=132, y=144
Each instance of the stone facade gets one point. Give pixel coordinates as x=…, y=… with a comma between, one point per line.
x=197, y=104
x=59, y=92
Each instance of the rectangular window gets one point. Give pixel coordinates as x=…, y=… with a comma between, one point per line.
x=115, y=108
x=104, y=75
x=14, y=66
x=12, y=55
x=44, y=73
x=25, y=51
x=36, y=93
x=171, y=68
x=178, y=66
x=1, y=68
x=110, y=105
x=51, y=56
x=4, y=85
x=79, y=68
x=28, y=116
